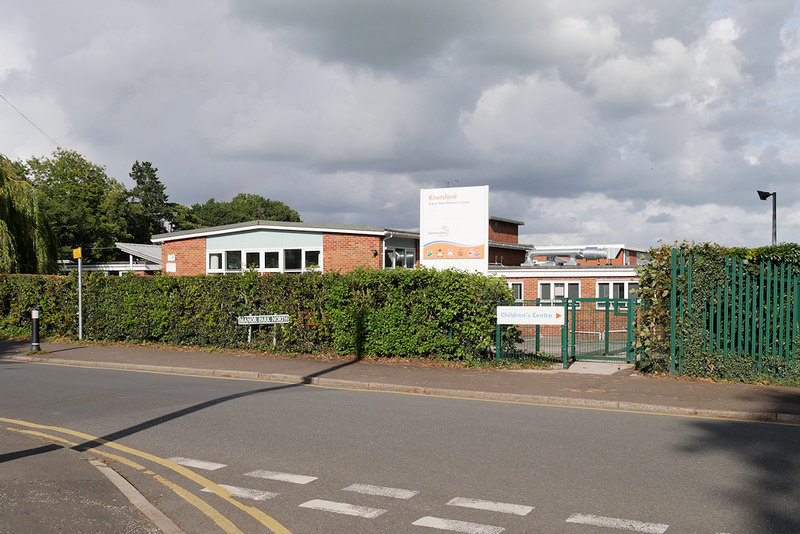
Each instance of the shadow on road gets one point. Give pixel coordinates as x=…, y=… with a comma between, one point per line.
x=119, y=434
x=770, y=493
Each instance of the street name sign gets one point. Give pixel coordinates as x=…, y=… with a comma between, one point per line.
x=530, y=315
x=262, y=319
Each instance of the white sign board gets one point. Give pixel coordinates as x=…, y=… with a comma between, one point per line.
x=530, y=315
x=454, y=228
x=262, y=319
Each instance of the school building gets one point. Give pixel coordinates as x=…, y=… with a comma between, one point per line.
x=545, y=272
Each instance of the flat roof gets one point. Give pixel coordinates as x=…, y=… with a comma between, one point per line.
x=503, y=219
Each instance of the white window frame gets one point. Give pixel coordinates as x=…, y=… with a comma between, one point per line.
x=393, y=253
x=521, y=284
x=222, y=253
x=626, y=291
x=552, y=284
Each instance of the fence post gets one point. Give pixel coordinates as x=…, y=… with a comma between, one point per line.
x=498, y=347
x=607, y=325
x=673, y=309
x=565, y=335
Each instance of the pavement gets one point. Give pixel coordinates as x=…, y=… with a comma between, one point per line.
x=600, y=385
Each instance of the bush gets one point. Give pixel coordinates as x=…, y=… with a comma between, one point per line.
x=407, y=313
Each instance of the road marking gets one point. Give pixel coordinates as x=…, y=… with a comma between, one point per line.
x=502, y=507
x=381, y=491
x=457, y=526
x=613, y=522
x=343, y=508
x=197, y=464
x=255, y=513
x=256, y=495
x=283, y=477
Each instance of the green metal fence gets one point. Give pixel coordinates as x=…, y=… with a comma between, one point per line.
x=594, y=329
x=749, y=311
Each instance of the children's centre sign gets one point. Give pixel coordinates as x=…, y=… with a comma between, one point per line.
x=454, y=228
x=530, y=315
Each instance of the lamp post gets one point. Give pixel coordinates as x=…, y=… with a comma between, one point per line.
x=764, y=195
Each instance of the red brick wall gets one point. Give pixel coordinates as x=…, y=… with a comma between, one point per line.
x=190, y=256
x=504, y=232
x=345, y=252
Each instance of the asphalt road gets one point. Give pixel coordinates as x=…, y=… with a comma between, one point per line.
x=313, y=459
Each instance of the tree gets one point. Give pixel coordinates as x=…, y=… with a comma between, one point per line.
x=27, y=245
x=242, y=208
x=85, y=207
x=150, y=208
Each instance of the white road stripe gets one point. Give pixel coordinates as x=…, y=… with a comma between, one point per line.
x=613, y=522
x=343, y=508
x=381, y=491
x=197, y=464
x=283, y=477
x=502, y=507
x=246, y=493
x=457, y=526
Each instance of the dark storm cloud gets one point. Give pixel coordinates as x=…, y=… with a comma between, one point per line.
x=593, y=121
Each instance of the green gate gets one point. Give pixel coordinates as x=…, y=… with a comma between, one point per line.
x=594, y=329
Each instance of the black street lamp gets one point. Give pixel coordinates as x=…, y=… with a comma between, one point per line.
x=764, y=195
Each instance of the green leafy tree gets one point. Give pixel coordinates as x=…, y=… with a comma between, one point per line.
x=27, y=245
x=242, y=208
x=182, y=218
x=85, y=207
x=150, y=208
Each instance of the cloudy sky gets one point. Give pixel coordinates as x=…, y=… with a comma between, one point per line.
x=593, y=121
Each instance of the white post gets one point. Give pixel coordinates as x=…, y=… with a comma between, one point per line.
x=80, y=300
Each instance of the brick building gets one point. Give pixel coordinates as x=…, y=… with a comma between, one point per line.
x=270, y=246
x=548, y=273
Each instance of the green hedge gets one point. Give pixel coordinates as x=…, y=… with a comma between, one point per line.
x=407, y=313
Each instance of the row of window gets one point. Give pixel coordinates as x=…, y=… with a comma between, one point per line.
x=557, y=291
x=280, y=260
x=291, y=260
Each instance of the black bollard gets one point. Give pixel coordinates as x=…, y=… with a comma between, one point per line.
x=35, y=330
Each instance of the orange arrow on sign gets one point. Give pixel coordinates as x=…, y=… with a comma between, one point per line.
x=558, y=315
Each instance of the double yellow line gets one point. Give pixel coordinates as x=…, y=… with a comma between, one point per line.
x=223, y=522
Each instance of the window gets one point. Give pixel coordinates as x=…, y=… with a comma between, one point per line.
x=399, y=258
x=271, y=260
x=516, y=291
x=556, y=292
x=292, y=259
x=615, y=290
x=311, y=260
x=215, y=262
x=252, y=260
x=233, y=260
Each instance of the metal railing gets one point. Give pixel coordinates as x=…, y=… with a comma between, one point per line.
x=594, y=328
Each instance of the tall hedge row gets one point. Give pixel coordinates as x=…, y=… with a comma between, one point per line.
x=407, y=313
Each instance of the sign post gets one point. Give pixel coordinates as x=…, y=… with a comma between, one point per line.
x=257, y=320
x=76, y=254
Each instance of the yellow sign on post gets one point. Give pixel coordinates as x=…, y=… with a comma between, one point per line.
x=76, y=253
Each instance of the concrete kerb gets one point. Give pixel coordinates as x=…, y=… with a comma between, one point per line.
x=443, y=392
